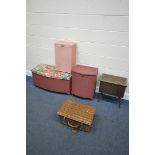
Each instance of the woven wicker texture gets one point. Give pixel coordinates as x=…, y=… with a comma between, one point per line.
x=77, y=111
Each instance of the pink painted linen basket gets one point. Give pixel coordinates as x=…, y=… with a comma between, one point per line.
x=84, y=81
x=65, y=55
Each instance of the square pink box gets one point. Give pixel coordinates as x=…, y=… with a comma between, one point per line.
x=84, y=80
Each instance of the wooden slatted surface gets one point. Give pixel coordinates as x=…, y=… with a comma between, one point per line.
x=77, y=111
x=114, y=79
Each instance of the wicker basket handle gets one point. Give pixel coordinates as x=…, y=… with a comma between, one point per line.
x=73, y=126
x=64, y=120
x=69, y=124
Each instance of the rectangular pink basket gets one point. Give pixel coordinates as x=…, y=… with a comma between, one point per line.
x=65, y=55
x=51, y=84
x=50, y=78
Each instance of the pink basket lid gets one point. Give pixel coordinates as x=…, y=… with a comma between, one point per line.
x=85, y=70
x=65, y=43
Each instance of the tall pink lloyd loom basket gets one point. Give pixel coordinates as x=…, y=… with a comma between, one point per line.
x=84, y=81
x=65, y=55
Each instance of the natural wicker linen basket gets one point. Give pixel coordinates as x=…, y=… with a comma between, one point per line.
x=76, y=115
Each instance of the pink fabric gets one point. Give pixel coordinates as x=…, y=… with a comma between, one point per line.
x=83, y=83
x=51, y=71
x=65, y=55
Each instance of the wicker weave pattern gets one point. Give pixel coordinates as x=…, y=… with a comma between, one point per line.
x=77, y=111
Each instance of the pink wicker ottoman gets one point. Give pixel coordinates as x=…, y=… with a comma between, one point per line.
x=65, y=55
x=84, y=81
x=49, y=78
